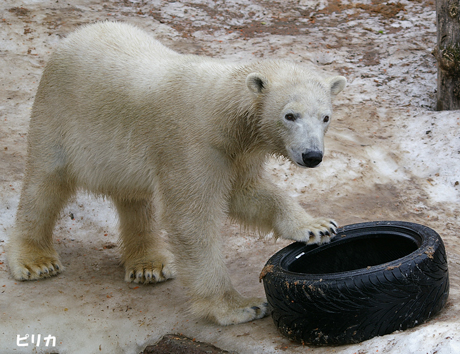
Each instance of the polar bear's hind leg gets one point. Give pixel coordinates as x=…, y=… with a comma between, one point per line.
x=31, y=254
x=145, y=255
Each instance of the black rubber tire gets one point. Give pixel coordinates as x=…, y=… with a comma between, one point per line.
x=372, y=279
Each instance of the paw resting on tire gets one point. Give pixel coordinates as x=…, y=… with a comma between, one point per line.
x=315, y=231
x=321, y=231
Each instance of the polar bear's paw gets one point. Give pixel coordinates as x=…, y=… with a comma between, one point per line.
x=321, y=230
x=149, y=270
x=236, y=310
x=315, y=231
x=34, y=266
x=254, y=310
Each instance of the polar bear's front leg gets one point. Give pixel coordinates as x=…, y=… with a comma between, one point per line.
x=194, y=232
x=145, y=255
x=264, y=206
x=202, y=270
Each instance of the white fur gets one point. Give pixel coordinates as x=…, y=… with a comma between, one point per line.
x=119, y=114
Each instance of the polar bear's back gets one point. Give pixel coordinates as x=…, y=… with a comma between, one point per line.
x=119, y=37
x=110, y=54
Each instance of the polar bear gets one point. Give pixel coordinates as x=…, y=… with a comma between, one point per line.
x=120, y=115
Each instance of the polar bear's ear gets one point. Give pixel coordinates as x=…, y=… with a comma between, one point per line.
x=337, y=84
x=256, y=82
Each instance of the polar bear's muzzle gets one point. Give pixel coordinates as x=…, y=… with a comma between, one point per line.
x=312, y=158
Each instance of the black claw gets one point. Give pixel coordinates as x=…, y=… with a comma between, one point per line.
x=327, y=233
x=311, y=234
x=333, y=223
x=265, y=304
x=321, y=233
x=57, y=267
x=332, y=231
x=132, y=276
x=154, y=278
x=255, y=308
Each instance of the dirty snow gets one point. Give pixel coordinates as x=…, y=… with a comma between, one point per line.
x=389, y=156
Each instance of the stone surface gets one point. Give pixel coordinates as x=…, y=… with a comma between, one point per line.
x=178, y=344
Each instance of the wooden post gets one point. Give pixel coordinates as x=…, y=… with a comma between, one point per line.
x=447, y=53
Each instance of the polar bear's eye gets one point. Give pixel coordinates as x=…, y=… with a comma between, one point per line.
x=290, y=117
x=326, y=119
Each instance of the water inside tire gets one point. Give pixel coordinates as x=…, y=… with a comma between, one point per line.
x=354, y=254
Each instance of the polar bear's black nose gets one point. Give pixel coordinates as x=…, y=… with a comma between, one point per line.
x=312, y=158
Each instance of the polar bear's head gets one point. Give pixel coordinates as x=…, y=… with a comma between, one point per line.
x=296, y=112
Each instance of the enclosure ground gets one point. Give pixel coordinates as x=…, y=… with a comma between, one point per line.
x=389, y=156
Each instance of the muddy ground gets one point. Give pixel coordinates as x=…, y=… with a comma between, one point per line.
x=390, y=156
